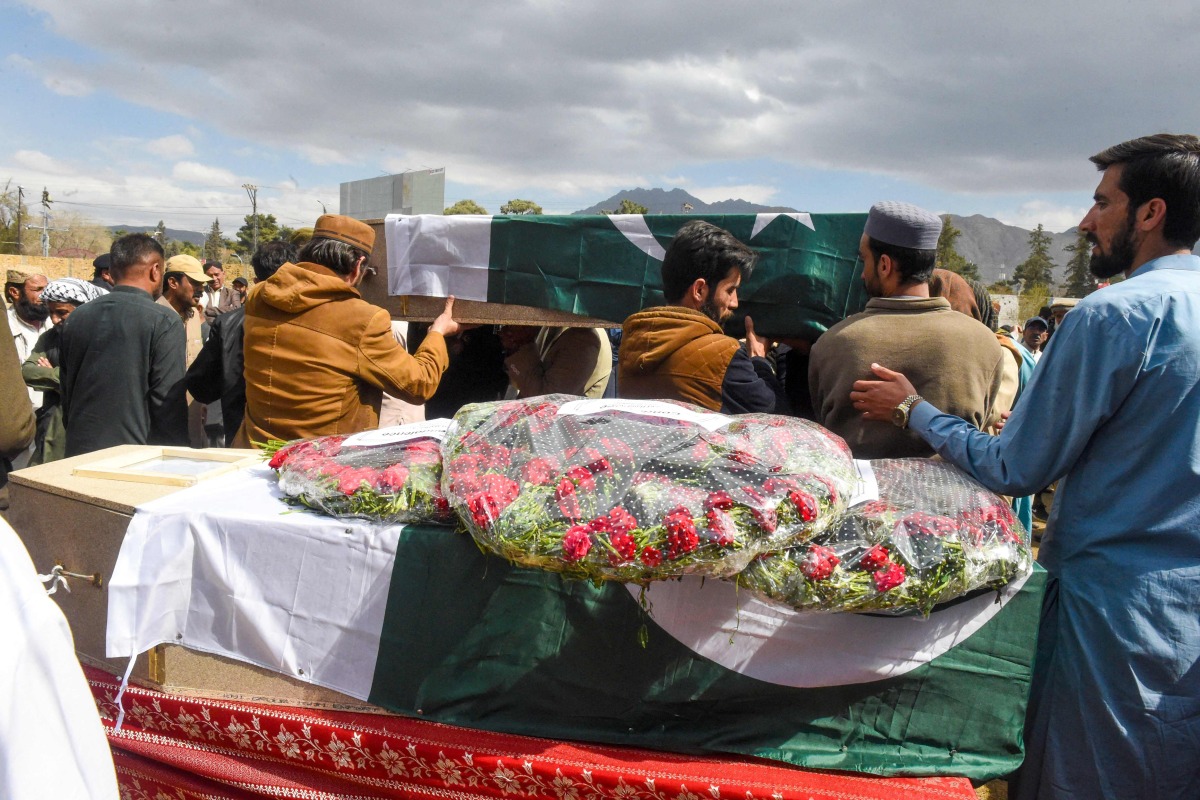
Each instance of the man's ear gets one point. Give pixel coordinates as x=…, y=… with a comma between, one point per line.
x=885, y=266
x=698, y=291
x=1152, y=214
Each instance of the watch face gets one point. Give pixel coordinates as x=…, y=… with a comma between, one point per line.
x=899, y=416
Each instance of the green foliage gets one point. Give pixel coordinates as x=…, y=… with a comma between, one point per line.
x=1000, y=287
x=1080, y=281
x=465, y=207
x=948, y=257
x=9, y=233
x=1032, y=300
x=1038, y=269
x=214, y=242
x=627, y=206
x=517, y=206
x=268, y=231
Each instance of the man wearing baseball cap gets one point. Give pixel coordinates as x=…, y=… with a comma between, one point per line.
x=952, y=354
x=317, y=356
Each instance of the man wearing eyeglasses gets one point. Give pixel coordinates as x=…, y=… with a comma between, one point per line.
x=318, y=356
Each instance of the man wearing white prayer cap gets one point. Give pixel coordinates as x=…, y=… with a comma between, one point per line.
x=955, y=356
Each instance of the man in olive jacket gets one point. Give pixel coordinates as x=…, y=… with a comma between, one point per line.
x=951, y=356
x=317, y=356
x=680, y=351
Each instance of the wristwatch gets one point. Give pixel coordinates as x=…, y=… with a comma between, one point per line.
x=900, y=412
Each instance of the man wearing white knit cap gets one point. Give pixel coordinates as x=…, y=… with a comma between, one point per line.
x=954, y=355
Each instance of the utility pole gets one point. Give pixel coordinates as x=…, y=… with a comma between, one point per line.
x=45, y=226
x=45, y=221
x=20, y=202
x=252, y=190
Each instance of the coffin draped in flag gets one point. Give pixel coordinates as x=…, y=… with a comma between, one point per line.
x=417, y=620
x=608, y=267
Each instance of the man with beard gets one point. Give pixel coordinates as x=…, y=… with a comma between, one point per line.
x=27, y=317
x=1115, y=703
x=949, y=354
x=679, y=351
x=122, y=359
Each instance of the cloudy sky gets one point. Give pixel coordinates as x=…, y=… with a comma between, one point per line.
x=131, y=111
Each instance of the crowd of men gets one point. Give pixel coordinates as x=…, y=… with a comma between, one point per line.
x=1104, y=400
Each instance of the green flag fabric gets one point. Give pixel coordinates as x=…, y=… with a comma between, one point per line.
x=471, y=640
x=807, y=279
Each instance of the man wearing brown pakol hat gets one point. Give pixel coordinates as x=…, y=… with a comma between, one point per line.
x=317, y=356
x=956, y=357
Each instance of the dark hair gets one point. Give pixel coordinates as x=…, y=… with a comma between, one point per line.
x=915, y=266
x=129, y=250
x=332, y=253
x=1166, y=166
x=271, y=256
x=702, y=250
x=239, y=280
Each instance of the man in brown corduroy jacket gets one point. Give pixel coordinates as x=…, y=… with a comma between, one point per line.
x=679, y=351
x=317, y=356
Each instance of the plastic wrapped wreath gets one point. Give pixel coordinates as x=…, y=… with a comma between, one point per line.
x=388, y=475
x=637, y=491
x=933, y=535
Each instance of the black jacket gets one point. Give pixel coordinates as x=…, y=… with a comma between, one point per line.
x=121, y=371
x=217, y=373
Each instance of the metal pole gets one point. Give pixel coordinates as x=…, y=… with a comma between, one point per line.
x=45, y=222
x=20, y=202
x=252, y=190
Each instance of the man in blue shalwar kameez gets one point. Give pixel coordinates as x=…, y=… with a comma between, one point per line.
x=1113, y=413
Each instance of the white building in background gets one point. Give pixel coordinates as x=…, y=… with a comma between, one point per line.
x=417, y=192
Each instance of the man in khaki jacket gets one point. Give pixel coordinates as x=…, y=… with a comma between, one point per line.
x=318, y=356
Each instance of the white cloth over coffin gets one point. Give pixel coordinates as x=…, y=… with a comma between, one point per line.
x=227, y=567
x=423, y=259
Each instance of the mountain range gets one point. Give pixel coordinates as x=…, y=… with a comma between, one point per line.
x=996, y=248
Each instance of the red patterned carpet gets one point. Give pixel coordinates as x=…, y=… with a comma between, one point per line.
x=179, y=748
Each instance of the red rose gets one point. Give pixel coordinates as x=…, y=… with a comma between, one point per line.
x=392, y=478
x=539, y=471
x=484, y=509
x=503, y=489
x=681, y=532
x=330, y=446
x=621, y=521
x=874, y=559
x=721, y=526
x=582, y=478
x=718, y=500
x=351, y=480
x=742, y=457
x=598, y=466
x=784, y=485
x=766, y=518
x=819, y=563
x=568, y=503
x=625, y=546
x=891, y=576
x=805, y=504
x=833, y=492
x=651, y=556
x=599, y=525
x=466, y=464
x=576, y=543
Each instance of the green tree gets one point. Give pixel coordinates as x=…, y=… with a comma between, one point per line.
x=627, y=206
x=10, y=234
x=268, y=231
x=948, y=257
x=1080, y=281
x=516, y=206
x=214, y=242
x=465, y=207
x=1038, y=268
x=160, y=233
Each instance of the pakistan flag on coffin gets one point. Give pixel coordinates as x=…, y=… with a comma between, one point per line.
x=474, y=641
x=808, y=276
